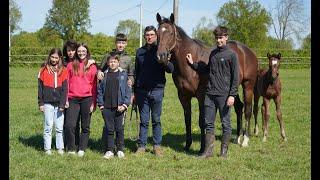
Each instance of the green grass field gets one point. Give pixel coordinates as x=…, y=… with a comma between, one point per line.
x=273, y=159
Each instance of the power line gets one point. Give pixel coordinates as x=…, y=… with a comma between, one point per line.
x=116, y=13
x=152, y=12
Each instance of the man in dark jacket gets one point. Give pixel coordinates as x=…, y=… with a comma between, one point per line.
x=223, y=69
x=149, y=90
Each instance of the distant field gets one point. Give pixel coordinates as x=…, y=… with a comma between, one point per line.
x=273, y=159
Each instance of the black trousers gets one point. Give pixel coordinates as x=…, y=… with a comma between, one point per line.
x=78, y=106
x=114, y=125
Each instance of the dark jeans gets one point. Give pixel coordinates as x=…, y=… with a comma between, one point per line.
x=211, y=104
x=149, y=102
x=78, y=106
x=77, y=130
x=113, y=123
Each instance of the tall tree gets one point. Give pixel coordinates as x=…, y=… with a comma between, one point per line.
x=247, y=20
x=128, y=27
x=14, y=16
x=204, y=31
x=70, y=18
x=288, y=19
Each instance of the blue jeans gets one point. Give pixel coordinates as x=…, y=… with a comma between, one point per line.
x=149, y=102
x=52, y=115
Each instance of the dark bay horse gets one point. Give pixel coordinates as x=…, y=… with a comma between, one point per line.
x=268, y=85
x=173, y=45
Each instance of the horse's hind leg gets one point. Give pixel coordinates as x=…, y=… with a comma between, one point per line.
x=238, y=106
x=277, y=101
x=248, y=95
x=186, y=104
x=255, y=113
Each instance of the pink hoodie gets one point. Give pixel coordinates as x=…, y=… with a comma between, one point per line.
x=82, y=85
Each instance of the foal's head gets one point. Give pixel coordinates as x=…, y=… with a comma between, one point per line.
x=167, y=34
x=274, y=64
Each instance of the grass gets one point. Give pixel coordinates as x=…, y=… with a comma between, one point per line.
x=273, y=159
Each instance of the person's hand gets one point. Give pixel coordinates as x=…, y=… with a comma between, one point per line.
x=129, y=83
x=121, y=108
x=41, y=108
x=101, y=108
x=92, y=108
x=100, y=75
x=230, y=101
x=189, y=58
x=90, y=62
x=61, y=109
x=133, y=99
x=67, y=105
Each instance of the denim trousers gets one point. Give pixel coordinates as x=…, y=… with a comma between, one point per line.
x=52, y=116
x=212, y=103
x=149, y=102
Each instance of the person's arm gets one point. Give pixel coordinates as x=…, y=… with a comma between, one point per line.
x=169, y=67
x=94, y=87
x=130, y=70
x=40, y=92
x=100, y=93
x=234, y=68
x=199, y=66
x=64, y=90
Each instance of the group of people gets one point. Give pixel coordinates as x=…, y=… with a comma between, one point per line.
x=71, y=85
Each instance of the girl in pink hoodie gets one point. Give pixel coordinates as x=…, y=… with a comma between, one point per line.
x=82, y=95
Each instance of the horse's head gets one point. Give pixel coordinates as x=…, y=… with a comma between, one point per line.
x=274, y=64
x=167, y=38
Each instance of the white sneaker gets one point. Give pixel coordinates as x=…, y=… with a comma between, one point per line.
x=120, y=154
x=48, y=152
x=60, y=151
x=80, y=153
x=71, y=153
x=108, y=155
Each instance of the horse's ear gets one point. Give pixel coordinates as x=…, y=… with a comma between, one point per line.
x=268, y=55
x=172, y=18
x=279, y=55
x=159, y=18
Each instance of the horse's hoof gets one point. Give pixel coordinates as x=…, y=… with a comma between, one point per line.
x=264, y=139
x=245, y=141
x=238, y=140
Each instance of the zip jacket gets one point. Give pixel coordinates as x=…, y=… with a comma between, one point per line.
x=52, y=88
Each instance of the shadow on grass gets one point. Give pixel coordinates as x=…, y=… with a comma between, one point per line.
x=35, y=141
x=98, y=146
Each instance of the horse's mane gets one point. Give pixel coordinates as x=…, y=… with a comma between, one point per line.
x=182, y=33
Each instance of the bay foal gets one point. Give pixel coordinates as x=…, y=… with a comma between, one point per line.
x=268, y=86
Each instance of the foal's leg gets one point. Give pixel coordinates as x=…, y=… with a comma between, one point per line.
x=255, y=113
x=277, y=101
x=186, y=104
x=266, y=116
x=248, y=95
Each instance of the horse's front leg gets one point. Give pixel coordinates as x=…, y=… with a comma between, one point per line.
x=255, y=113
x=201, y=123
x=186, y=104
x=277, y=101
x=266, y=115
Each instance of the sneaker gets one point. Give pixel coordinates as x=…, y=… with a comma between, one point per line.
x=48, y=152
x=108, y=155
x=60, y=151
x=71, y=153
x=140, y=150
x=120, y=154
x=157, y=151
x=80, y=153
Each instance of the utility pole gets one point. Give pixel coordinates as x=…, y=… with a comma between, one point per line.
x=9, y=42
x=140, y=23
x=175, y=11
